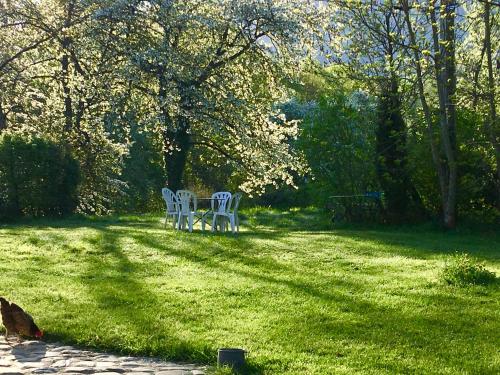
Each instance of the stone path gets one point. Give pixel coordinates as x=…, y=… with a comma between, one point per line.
x=37, y=357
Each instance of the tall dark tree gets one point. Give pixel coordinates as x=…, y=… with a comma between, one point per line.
x=402, y=200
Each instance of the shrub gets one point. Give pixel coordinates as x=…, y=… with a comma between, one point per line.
x=37, y=177
x=463, y=270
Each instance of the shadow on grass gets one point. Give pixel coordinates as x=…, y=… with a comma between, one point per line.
x=113, y=281
x=419, y=241
x=116, y=296
x=426, y=244
x=231, y=262
x=305, y=219
x=377, y=325
x=82, y=221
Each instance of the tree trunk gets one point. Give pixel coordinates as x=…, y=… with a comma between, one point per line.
x=3, y=119
x=177, y=144
x=402, y=200
x=440, y=170
x=4, y=20
x=176, y=136
x=450, y=143
x=444, y=56
x=491, y=123
x=65, y=44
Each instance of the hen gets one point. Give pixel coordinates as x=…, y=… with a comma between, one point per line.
x=17, y=321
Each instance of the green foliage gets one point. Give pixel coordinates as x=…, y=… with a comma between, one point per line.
x=144, y=176
x=37, y=177
x=207, y=73
x=477, y=195
x=101, y=162
x=421, y=167
x=209, y=171
x=337, y=137
x=464, y=270
x=338, y=141
x=476, y=180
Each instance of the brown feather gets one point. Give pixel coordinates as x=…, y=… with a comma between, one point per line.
x=25, y=324
x=7, y=318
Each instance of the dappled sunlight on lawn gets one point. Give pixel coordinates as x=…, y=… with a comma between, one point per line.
x=299, y=300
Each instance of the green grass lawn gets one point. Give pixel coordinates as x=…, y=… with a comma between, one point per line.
x=301, y=297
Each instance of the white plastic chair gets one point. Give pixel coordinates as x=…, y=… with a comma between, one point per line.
x=188, y=206
x=172, y=204
x=234, y=203
x=232, y=212
x=220, y=206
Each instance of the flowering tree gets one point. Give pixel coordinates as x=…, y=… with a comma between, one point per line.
x=212, y=71
x=195, y=74
x=55, y=82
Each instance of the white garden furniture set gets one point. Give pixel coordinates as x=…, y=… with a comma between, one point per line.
x=182, y=208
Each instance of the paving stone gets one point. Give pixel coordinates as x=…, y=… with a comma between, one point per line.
x=101, y=356
x=84, y=364
x=64, y=347
x=60, y=363
x=29, y=358
x=143, y=369
x=10, y=371
x=110, y=366
x=171, y=368
x=105, y=364
x=130, y=364
x=25, y=365
x=44, y=370
x=52, y=354
x=35, y=357
x=31, y=348
x=28, y=343
x=114, y=369
x=111, y=357
x=78, y=370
